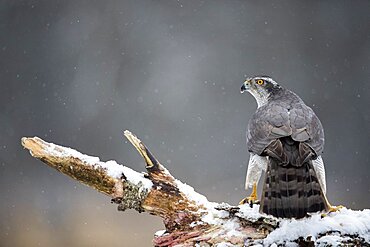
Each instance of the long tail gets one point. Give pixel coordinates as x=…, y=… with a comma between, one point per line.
x=290, y=191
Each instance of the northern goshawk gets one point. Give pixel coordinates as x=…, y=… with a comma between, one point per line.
x=285, y=139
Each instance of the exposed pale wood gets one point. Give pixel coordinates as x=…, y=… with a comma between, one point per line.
x=72, y=166
x=166, y=199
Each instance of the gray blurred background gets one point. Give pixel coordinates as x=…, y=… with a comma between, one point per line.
x=78, y=73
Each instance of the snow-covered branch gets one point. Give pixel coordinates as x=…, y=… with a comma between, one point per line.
x=189, y=218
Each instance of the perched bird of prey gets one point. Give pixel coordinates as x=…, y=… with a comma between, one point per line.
x=285, y=139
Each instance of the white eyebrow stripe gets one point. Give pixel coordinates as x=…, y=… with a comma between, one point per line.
x=268, y=79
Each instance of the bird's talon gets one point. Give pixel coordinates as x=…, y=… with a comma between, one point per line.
x=251, y=203
x=335, y=208
x=243, y=201
x=332, y=209
x=250, y=200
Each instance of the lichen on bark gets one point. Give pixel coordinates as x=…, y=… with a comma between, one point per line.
x=132, y=198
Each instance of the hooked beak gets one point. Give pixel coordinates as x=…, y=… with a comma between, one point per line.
x=245, y=87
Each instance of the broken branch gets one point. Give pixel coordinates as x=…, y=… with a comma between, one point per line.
x=189, y=217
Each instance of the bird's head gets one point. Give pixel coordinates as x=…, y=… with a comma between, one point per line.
x=261, y=87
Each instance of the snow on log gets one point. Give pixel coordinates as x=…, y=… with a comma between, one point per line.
x=189, y=218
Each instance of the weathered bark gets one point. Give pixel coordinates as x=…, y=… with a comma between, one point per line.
x=189, y=217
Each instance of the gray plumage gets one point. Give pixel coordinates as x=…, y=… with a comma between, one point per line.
x=285, y=114
x=290, y=135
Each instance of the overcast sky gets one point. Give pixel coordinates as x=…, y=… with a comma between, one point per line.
x=78, y=73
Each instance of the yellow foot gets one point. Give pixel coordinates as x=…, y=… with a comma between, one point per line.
x=332, y=209
x=252, y=199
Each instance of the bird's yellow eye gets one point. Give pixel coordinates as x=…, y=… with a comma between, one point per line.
x=259, y=81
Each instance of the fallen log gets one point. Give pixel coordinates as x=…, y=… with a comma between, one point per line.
x=189, y=218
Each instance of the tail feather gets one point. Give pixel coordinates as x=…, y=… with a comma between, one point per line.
x=316, y=201
x=272, y=193
x=285, y=192
x=301, y=204
x=293, y=191
x=290, y=191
